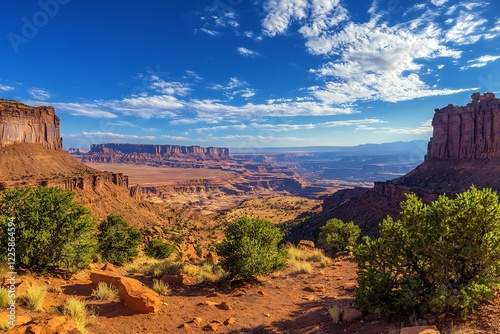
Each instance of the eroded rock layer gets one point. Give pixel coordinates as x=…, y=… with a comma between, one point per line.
x=20, y=123
x=467, y=132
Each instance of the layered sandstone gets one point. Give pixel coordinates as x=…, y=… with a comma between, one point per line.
x=467, y=132
x=154, y=155
x=20, y=123
x=463, y=151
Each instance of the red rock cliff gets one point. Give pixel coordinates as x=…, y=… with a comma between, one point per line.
x=20, y=123
x=467, y=132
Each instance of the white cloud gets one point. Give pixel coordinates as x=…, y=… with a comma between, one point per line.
x=210, y=31
x=280, y=13
x=438, y=2
x=467, y=28
x=171, y=88
x=247, y=52
x=93, y=110
x=440, y=66
x=424, y=128
x=39, y=94
x=480, y=62
x=5, y=88
x=110, y=135
x=290, y=127
x=235, y=87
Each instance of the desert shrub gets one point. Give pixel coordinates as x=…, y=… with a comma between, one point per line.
x=35, y=296
x=50, y=229
x=210, y=272
x=444, y=255
x=4, y=297
x=250, y=248
x=118, y=240
x=105, y=291
x=78, y=311
x=159, y=249
x=336, y=236
x=161, y=287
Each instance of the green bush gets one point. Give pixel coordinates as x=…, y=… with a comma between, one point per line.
x=49, y=229
x=250, y=248
x=444, y=255
x=159, y=249
x=337, y=236
x=118, y=240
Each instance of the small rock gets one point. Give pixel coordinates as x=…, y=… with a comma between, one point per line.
x=267, y=315
x=212, y=326
x=306, y=244
x=208, y=303
x=315, y=288
x=108, y=267
x=261, y=293
x=186, y=326
x=197, y=321
x=172, y=279
x=225, y=306
x=230, y=321
x=214, y=294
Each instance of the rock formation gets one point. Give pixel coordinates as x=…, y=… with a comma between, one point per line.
x=20, y=123
x=463, y=151
x=467, y=132
x=154, y=155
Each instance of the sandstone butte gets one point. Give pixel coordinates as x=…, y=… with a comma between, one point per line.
x=464, y=150
x=20, y=123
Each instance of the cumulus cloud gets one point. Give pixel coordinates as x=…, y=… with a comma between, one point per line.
x=235, y=87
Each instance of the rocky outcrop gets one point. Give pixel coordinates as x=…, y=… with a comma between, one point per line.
x=463, y=151
x=155, y=155
x=467, y=132
x=20, y=123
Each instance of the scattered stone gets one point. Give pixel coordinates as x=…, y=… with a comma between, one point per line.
x=212, y=326
x=173, y=279
x=261, y=293
x=230, y=321
x=315, y=288
x=57, y=324
x=197, y=321
x=208, y=303
x=225, y=306
x=306, y=245
x=420, y=330
x=214, y=294
x=185, y=326
x=267, y=315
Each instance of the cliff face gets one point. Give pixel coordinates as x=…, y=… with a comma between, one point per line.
x=463, y=151
x=467, y=132
x=20, y=123
x=155, y=155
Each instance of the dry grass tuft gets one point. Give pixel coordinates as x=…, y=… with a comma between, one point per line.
x=35, y=296
x=78, y=311
x=335, y=311
x=4, y=297
x=315, y=255
x=105, y=291
x=301, y=267
x=161, y=287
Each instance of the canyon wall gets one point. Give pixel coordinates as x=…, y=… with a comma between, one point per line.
x=20, y=123
x=467, y=132
x=152, y=154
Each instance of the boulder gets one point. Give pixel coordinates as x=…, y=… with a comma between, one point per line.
x=306, y=244
x=53, y=325
x=173, y=279
x=134, y=295
x=350, y=314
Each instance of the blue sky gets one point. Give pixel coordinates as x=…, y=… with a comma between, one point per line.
x=247, y=73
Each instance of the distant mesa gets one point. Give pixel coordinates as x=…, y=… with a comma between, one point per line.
x=154, y=155
x=20, y=123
